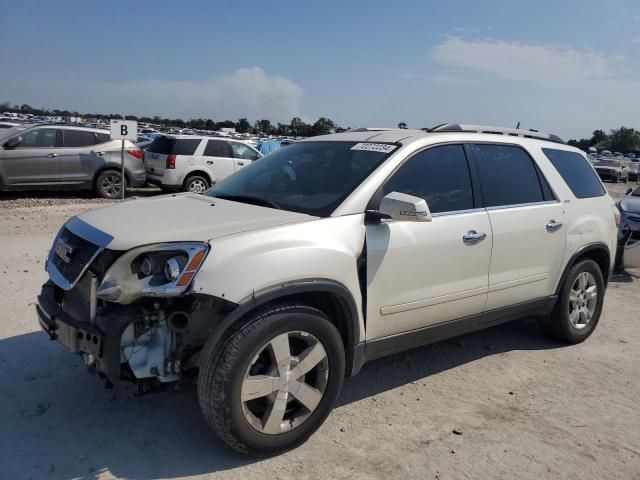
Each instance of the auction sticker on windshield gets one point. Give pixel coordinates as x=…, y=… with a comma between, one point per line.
x=374, y=147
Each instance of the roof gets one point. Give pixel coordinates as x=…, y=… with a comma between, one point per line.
x=395, y=135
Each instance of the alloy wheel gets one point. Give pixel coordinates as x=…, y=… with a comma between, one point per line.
x=197, y=186
x=583, y=299
x=111, y=185
x=285, y=382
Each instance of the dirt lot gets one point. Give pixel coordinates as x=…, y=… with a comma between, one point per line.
x=523, y=406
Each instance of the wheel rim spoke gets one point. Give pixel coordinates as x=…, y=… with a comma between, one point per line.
x=306, y=395
x=258, y=386
x=573, y=296
x=309, y=359
x=281, y=353
x=591, y=292
x=275, y=414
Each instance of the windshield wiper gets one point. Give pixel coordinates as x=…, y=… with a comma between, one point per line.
x=251, y=200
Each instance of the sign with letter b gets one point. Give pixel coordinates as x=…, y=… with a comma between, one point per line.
x=124, y=130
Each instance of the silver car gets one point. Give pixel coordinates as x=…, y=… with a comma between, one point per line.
x=67, y=157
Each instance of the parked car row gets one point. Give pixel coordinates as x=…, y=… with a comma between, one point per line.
x=79, y=158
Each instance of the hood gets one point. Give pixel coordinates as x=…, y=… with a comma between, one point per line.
x=630, y=204
x=182, y=217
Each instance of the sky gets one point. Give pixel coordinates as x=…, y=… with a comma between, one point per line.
x=561, y=66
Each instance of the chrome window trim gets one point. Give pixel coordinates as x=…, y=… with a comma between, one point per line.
x=519, y=205
x=458, y=212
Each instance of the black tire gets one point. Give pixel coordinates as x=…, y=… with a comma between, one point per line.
x=108, y=184
x=220, y=380
x=196, y=184
x=558, y=323
x=625, y=180
x=616, y=179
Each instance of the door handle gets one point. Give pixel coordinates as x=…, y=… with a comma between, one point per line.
x=241, y=163
x=210, y=162
x=472, y=237
x=52, y=155
x=552, y=226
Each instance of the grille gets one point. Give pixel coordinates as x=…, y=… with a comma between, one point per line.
x=82, y=253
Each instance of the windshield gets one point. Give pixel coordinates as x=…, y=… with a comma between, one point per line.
x=306, y=177
x=636, y=192
x=11, y=132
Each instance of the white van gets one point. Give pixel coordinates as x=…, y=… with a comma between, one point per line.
x=194, y=163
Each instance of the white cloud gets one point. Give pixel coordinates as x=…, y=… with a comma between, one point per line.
x=247, y=92
x=541, y=64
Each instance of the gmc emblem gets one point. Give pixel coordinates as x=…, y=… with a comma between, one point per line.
x=64, y=250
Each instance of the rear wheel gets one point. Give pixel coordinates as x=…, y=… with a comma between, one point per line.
x=272, y=382
x=109, y=184
x=579, y=304
x=196, y=184
x=616, y=179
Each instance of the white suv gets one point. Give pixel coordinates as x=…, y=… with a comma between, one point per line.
x=331, y=252
x=192, y=164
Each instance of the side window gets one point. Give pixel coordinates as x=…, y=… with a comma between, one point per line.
x=78, y=138
x=39, y=138
x=217, y=148
x=440, y=175
x=576, y=172
x=103, y=137
x=507, y=175
x=240, y=150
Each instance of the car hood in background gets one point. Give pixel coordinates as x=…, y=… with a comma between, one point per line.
x=630, y=204
x=182, y=217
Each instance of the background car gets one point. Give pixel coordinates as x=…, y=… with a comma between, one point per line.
x=56, y=156
x=614, y=169
x=629, y=231
x=194, y=163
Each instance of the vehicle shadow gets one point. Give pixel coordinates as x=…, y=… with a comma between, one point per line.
x=59, y=422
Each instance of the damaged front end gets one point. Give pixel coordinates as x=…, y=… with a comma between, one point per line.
x=128, y=314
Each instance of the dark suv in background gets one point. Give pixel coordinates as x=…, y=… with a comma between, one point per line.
x=67, y=157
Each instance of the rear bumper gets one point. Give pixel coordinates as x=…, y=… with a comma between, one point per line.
x=138, y=179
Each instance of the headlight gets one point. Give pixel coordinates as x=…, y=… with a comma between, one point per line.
x=162, y=270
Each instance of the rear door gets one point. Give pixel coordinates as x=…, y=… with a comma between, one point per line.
x=243, y=154
x=527, y=225
x=35, y=161
x=79, y=157
x=218, y=157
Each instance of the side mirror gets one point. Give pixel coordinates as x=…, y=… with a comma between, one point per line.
x=629, y=190
x=402, y=207
x=13, y=142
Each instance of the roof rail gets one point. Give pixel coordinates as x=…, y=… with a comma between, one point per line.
x=456, y=127
x=371, y=129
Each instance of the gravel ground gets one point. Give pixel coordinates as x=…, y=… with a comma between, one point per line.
x=499, y=404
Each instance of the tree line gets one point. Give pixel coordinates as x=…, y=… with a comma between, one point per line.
x=621, y=139
x=296, y=127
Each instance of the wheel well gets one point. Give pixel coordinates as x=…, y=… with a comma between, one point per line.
x=199, y=173
x=331, y=305
x=597, y=253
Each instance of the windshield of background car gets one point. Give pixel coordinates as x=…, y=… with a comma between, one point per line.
x=174, y=146
x=609, y=163
x=307, y=177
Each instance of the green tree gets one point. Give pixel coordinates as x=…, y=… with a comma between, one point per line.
x=402, y=125
x=243, y=126
x=323, y=126
x=624, y=139
x=298, y=127
x=597, y=137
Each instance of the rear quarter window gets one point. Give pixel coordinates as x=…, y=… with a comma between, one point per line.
x=576, y=172
x=174, y=146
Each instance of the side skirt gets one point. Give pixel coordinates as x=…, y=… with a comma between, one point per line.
x=384, y=346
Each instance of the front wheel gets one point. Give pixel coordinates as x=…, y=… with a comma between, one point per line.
x=579, y=304
x=270, y=384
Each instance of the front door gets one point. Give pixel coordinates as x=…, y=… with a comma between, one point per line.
x=424, y=273
x=527, y=224
x=35, y=161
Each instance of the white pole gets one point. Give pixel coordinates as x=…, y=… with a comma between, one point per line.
x=122, y=182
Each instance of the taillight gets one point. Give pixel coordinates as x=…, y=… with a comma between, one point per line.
x=171, y=162
x=135, y=153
